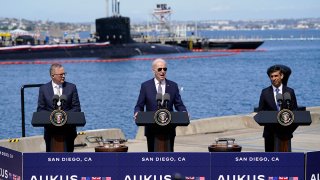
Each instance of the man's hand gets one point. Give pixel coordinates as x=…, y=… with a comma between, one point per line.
x=135, y=116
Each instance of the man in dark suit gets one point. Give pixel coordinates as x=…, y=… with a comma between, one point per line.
x=147, y=99
x=268, y=102
x=58, y=86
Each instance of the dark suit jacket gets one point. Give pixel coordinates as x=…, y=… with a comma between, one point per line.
x=72, y=104
x=147, y=101
x=267, y=103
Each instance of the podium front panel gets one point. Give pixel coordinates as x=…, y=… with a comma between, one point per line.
x=40, y=119
x=147, y=118
x=302, y=118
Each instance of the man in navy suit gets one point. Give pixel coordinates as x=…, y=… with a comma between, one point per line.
x=147, y=101
x=58, y=86
x=268, y=102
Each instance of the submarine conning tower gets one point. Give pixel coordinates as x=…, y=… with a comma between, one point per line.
x=115, y=29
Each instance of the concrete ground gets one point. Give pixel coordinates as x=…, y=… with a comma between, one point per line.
x=305, y=139
x=246, y=132
x=194, y=138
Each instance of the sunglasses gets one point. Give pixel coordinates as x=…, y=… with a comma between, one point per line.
x=160, y=69
x=63, y=74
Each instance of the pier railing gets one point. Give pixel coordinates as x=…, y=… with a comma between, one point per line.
x=23, y=123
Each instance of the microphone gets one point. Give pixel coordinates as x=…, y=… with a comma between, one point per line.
x=279, y=98
x=159, y=99
x=166, y=99
x=55, y=99
x=287, y=99
x=63, y=99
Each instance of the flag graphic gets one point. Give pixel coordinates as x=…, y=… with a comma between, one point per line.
x=96, y=178
x=106, y=178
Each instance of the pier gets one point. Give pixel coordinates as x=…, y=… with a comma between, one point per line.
x=194, y=138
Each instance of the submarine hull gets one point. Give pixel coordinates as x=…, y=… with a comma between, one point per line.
x=84, y=51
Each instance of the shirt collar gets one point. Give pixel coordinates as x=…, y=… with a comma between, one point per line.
x=162, y=82
x=280, y=88
x=54, y=85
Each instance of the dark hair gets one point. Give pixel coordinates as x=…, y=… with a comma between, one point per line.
x=285, y=70
x=274, y=68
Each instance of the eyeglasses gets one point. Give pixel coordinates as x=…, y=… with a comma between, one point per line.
x=160, y=69
x=63, y=74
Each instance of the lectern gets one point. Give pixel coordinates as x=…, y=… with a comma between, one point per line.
x=43, y=119
x=281, y=121
x=161, y=119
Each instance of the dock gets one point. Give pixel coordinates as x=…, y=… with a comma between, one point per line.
x=196, y=137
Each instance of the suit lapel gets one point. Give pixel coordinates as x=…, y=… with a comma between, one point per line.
x=168, y=87
x=284, y=89
x=153, y=87
x=50, y=89
x=64, y=88
x=271, y=95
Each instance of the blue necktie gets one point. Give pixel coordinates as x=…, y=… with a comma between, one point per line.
x=278, y=105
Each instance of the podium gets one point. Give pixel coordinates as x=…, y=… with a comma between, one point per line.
x=162, y=140
x=42, y=119
x=271, y=118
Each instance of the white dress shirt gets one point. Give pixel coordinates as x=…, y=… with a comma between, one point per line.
x=55, y=89
x=163, y=85
x=275, y=92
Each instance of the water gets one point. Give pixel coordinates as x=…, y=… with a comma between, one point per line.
x=211, y=85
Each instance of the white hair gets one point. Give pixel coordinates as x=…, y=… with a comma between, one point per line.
x=158, y=60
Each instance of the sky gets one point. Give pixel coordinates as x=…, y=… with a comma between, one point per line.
x=141, y=10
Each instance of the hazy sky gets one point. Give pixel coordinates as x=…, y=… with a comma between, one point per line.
x=141, y=10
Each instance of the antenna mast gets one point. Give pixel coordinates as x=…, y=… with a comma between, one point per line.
x=107, y=8
x=162, y=14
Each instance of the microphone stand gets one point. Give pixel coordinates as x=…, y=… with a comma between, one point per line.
x=159, y=100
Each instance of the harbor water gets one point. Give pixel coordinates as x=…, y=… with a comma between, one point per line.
x=211, y=84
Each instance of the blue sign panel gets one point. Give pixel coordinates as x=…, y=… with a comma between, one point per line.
x=313, y=166
x=108, y=166
x=164, y=166
x=10, y=164
x=70, y=166
x=257, y=166
x=158, y=166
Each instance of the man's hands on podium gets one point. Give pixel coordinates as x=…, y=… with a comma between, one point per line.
x=135, y=116
x=188, y=114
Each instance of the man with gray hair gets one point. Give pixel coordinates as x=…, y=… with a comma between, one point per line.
x=58, y=86
x=147, y=99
